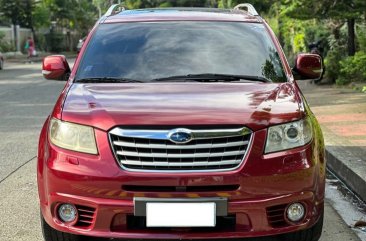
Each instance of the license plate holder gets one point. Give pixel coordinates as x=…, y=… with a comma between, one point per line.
x=180, y=214
x=221, y=204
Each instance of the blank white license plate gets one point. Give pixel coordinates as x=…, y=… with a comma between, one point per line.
x=180, y=214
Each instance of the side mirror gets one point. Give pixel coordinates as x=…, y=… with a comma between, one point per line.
x=55, y=67
x=308, y=66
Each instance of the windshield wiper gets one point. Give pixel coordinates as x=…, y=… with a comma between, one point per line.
x=212, y=77
x=107, y=80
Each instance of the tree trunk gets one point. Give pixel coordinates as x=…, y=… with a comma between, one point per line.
x=351, y=37
x=280, y=35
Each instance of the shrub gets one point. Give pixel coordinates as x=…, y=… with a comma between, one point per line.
x=337, y=43
x=361, y=37
x=353, y=69
x=5, y=46
x=332, y=63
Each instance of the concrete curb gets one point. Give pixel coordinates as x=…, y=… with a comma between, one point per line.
x=25, y=60
x=36, y=59
x=349, y=167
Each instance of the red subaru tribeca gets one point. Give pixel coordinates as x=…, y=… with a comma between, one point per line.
x=181, y=124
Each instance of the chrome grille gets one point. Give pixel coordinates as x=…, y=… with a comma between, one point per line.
x=152, y=150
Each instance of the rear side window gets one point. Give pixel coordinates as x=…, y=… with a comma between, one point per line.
x=149, y=50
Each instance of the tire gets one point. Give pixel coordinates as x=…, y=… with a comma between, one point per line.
x=1, y=64
x=311, y=234
x=51, y=234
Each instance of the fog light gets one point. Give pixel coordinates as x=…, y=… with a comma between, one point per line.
x=67, y=212
x=295, y=212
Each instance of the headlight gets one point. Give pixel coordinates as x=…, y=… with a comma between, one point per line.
x=290, y=135
x=72, y=136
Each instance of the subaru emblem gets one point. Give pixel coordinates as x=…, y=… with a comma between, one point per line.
x=180, y=136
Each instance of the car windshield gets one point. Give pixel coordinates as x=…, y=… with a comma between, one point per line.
x=147, y=51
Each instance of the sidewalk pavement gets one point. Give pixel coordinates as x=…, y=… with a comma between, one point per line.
x=341, y=113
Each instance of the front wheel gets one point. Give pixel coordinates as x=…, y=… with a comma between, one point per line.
x=311, y=234
x=51, y=234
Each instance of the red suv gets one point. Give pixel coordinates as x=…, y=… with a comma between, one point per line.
x=181, y=124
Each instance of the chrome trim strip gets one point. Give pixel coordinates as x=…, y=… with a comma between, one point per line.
x=168, y=155
x=164, y=134
x=180, y=164
x=180, y=147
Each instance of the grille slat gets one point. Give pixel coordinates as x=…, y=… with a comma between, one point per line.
x=85, y=221
x=86, y=216
x=182, y=164
x=86, y=211
x=276, y=216
x=222, y=149
x=179, y=147
x=169, y=155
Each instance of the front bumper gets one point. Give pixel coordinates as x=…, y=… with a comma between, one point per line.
x=110, y=218
x=95, y=185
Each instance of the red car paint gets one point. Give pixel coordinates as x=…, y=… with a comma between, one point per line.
x=106, y=105
x=56, y=63
x=307, y=67
x=263, y=180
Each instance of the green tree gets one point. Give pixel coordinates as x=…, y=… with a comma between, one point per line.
x=19, y=12
x=41, y=15
x=346, y=11
x=77, y=15
x=262, y=6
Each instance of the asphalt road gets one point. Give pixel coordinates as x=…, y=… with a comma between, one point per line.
x=25, y=101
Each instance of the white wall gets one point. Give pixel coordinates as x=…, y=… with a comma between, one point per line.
x=24, y=33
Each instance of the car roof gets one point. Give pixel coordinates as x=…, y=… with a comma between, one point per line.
x=181, y=14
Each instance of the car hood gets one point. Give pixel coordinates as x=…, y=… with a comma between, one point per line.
x=255, y=105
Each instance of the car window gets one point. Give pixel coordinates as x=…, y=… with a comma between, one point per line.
x=149, y=50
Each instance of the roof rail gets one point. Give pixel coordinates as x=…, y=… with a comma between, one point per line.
x=114, y=9
x=247, y=7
